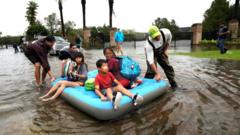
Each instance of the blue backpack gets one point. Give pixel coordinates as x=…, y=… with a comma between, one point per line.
x=129, y=68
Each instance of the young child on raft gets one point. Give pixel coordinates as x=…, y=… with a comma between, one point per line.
x=78, y=76
x=105, y=84
x=114, y=68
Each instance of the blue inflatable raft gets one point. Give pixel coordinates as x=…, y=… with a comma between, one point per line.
x=90, y=103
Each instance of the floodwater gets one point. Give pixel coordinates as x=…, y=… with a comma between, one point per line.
x=210, y=105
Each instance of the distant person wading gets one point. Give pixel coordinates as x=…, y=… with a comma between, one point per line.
x=78, y=41
x=222, y=36
x=119, y=38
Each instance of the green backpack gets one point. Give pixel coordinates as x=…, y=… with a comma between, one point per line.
x=90, y=84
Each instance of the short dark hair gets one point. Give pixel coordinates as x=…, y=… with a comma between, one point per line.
x=79, y=54
x=110, y=49
x=100, y=62
x=221, y=23
x=50, y=39
x=71, y=45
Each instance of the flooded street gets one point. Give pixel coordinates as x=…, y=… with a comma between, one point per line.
x=210, y=105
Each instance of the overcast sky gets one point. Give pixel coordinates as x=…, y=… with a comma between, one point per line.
x=130, y=14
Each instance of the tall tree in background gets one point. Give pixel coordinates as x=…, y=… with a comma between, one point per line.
x=84, y=12
x=69, y=26
x=110, y=2
x=165, y=23
x=31, y=12
x=232, y=14
x=0, y=34
x=218, y=12
x=36, y=30
x=236, y=9
x=61, y=17
x=52, y=23
x=71, y=31
x=105, y=33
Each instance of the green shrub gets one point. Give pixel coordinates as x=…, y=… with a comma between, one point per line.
x=214, y=42
x=9, y=40
x=207, y=42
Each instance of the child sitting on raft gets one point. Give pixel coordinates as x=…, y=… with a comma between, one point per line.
x=105, y=84
x=114, y=68
x=77, y=77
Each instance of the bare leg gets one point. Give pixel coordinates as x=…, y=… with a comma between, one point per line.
x=109, y=94
x=120, y=49
x=60, y=90
x=63, y=63
x=137, y=99
x=117, y=48
x=54, y=88
x=121, y=89
x=44, y=74
x=37, y=72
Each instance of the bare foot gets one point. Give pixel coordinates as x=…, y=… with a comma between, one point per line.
x=37, y=85
x=42, y=84
x=47, y=99
x=42, y=97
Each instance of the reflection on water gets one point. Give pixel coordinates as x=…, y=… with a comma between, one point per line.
x=210, y=105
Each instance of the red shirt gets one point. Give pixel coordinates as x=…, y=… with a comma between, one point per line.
x=114, y=68
x=104, y=81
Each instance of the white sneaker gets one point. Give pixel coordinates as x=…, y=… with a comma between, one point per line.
x=117, y=100
x=137, y=100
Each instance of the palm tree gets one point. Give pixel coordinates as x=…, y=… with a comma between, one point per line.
x=110, y=2
x=236, y=9
x=61, y=17
x=31, y=12
x=52, y=22
x=84, y=12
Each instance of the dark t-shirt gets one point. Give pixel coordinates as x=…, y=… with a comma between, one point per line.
x=78, y=41
x=41, y=50
x=114, y=68
x=65, y=53
x=222, y=30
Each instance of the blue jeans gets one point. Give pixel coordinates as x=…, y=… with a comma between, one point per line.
x=220, y=44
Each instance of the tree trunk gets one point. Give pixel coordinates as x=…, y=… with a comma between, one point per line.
x=51, y=29
x=110, y=12
x=61, y=16
x=84, y=13
x=236, y=9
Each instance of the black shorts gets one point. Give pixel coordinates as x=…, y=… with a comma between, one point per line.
x=63, y=55
x=33, y=58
